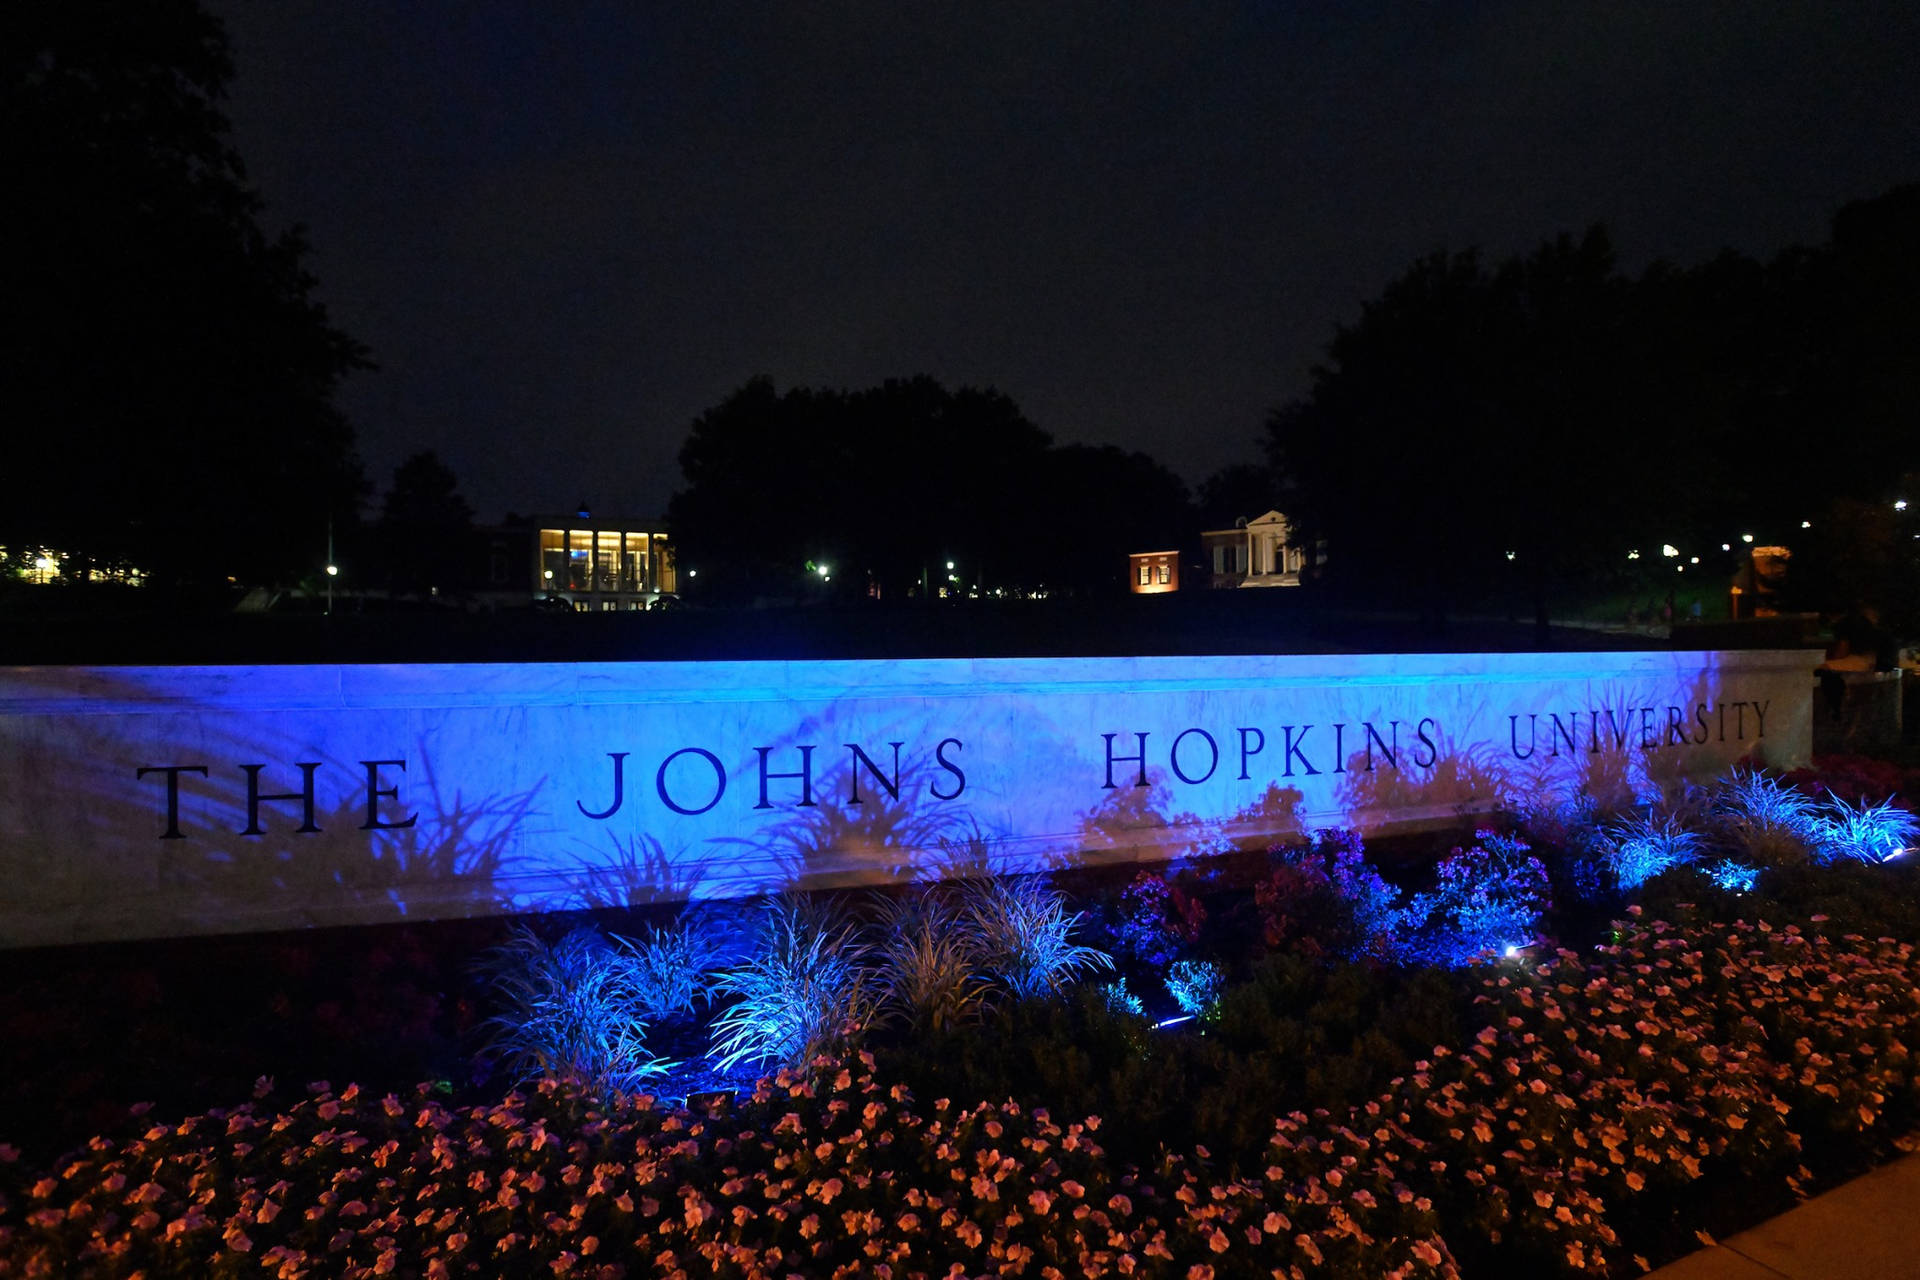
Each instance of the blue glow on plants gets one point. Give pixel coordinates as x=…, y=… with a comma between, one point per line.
x=1485, y=897
x=806, y=983
x=1195, y=986
x=1735, y=877
x=1120, y=1000
x=1768, y=822
x=573, y=1009
x=1868, y=833
x=1646, y=846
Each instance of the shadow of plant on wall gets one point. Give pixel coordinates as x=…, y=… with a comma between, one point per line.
x=1458, y=781
x=637, y=871
x=872, y=828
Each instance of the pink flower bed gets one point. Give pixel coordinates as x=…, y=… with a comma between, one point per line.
x=1595, y=1087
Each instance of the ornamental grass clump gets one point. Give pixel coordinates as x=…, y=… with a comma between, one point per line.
x=929, y=961
x=1640, y=848
x=575, y=1008
x=1867, y=832
x=807, y=987
x=1026, y=935
x=1763, y=822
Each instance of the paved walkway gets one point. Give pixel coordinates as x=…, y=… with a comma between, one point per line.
x=1868, y=1229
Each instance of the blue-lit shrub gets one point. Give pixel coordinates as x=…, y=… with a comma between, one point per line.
x=1324, y=897
x=1766, y=823
x=1643, y=847
x=1025, y=935
x=1735, y=877
x=1867, y=832
x=929, y=961
x=574, y=1008
x=1195, y=987
x=1159, y=919
x=805, y=988
x=1486, y=899
x=1120, y=1000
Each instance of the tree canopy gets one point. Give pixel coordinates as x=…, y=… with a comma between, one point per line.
x=887, y=484
x=169, y=372
x=1527, y=426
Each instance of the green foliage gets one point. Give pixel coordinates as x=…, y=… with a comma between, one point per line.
x=1872, y=901
x=1296, y=1036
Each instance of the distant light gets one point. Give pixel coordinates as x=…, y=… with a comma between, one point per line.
x=1172, y=1022
x=333, y=571
x=1900, y=505
x=1695, y=560
x=949, y=565
x=1633, y=555
x=1726, y=546
x=823, y=569
x=1669, y=550
x=1746, y=537
x=1679, y=568
x=548, y=573
x=44, y=562
x=1509, y=555
x=1512, y=950
x=693, y=573
x=1806, y=524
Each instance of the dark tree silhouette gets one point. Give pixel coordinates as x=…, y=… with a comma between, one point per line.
x=168, y=372
x=424, y=528
x=884, y=485
x=1554, y=409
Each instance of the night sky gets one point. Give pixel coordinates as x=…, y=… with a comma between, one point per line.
x=564, y=236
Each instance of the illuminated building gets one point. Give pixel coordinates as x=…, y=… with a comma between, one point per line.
x=1254, y=553
x=603, y=564
x=1153, y=572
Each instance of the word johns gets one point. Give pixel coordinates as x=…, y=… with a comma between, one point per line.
x=1644, y=727
x=693, y=780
